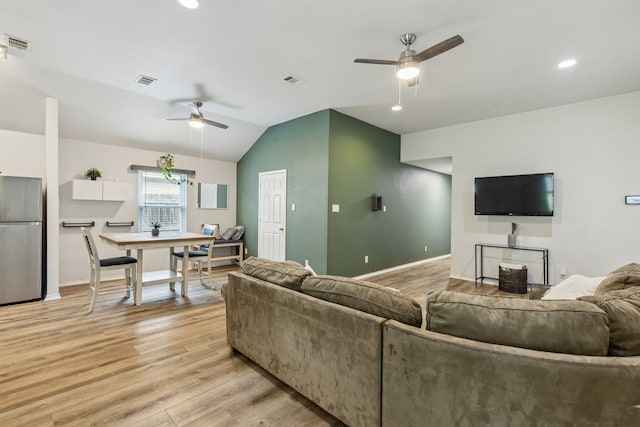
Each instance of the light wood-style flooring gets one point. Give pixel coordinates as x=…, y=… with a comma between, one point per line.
x=164, y=363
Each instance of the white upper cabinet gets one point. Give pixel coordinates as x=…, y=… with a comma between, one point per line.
x=84, y=189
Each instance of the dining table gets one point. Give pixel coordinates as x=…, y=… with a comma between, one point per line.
x=142, y=241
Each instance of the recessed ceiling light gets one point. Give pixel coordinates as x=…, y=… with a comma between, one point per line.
x=190, y=4
x=397, y=107
x=567, y=63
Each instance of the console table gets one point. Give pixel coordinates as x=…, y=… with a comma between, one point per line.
x=482, y=246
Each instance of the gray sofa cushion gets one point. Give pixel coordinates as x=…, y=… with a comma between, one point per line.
x=284, y=274
x=618, y=280
x=623, y=309
x=632, y=267
x=365, y=296
x=572, y=327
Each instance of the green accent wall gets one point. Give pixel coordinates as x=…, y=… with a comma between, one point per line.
x=364, y=159
x=301, y=147
x=332, y=158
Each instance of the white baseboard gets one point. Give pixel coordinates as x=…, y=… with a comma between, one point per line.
x=400, y=267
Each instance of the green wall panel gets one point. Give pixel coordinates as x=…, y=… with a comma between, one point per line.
x=363, y=160
x=332, y=158
x=301, y=147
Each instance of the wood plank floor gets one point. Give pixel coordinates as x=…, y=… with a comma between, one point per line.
x=165, y=363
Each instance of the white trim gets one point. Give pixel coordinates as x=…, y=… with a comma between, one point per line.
x=400, y=267
x=51, y=297
x=52, y=156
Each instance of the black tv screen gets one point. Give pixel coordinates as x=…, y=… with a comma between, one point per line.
x=523, y=195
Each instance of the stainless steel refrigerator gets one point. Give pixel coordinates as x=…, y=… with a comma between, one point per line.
x=21, y=227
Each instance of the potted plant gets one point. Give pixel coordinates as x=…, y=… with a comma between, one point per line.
x=93, y=173
x=167, y=165
x=155, y=231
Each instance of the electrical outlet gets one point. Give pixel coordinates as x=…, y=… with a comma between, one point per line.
x=306, y=262
x=293, y=207
x=246, y=251
x=366, y=259
x=384, y=209
x=425, y=248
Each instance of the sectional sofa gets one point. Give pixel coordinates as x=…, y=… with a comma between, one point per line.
x=365, y=354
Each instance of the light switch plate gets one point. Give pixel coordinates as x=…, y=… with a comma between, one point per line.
x=335, y=208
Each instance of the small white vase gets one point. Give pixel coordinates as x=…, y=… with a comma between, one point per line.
x=511, y=240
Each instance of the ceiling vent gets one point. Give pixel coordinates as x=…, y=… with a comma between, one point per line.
x=17, y=43
x=145, y=80
x=293, y=80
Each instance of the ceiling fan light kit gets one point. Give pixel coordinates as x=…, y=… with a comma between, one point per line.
x=407, y=71
x=197, y=120
x=407, y=64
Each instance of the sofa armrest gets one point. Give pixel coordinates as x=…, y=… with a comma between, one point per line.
x=456, y=381
x=329, y=353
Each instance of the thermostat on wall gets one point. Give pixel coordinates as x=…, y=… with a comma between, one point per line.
x=632, y=200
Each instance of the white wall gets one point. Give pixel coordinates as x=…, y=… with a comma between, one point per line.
x=593, y=148
x=22, y=154
x=78, y=156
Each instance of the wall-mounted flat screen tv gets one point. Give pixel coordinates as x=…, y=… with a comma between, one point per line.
x=522, y=195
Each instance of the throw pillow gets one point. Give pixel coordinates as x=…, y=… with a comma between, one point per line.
x=623, y=309
x=365, y=296
x=238, y=233
x=572, y=327
x=228, y=233
x=617, y=281
x=573, y=287
x=279, y=273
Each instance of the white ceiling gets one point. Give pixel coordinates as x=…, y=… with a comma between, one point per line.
x=235, y=55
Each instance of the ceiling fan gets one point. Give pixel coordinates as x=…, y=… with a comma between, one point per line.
x=196, y=119
x=409, y=60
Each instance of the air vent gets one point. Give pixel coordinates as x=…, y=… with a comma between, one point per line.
x=145, y=80
x=293, y=80
x=18, y=43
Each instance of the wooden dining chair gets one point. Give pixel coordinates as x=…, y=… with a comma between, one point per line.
x=199, y=256
x=128, y=263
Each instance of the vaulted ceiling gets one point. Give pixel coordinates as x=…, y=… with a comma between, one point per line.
x=234, y=56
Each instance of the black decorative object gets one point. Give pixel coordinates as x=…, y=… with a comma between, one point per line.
x=376, y=202
x=155, y=231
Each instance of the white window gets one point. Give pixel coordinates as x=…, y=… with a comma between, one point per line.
x=161, y=201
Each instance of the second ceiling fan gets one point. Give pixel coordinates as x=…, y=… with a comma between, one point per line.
x=409, y=60
x=197, y=120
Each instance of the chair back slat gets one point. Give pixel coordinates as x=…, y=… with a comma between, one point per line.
x=91, y=246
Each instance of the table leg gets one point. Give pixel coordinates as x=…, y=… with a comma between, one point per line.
x=137, y=298
x=172, y=266
x=127, y=278
x=185, y=272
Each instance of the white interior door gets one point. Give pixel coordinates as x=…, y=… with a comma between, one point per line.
x=272, y=222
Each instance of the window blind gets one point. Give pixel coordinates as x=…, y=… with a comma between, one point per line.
x=162, y=201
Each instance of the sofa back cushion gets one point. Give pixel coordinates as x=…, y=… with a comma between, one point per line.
x=618, y=280
x=287, y=274
x=365, y=296
x=572, y=327
x=623, y=309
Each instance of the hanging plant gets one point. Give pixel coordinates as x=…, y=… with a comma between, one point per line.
x=167, y=166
